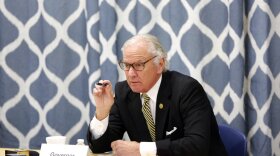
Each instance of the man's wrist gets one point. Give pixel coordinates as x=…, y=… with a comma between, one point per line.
x=98, y=127
x=101, y=115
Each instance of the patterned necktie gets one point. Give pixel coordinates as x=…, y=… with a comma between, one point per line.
x=148, y=116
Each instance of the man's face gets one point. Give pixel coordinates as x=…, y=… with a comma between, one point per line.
x=141, y=81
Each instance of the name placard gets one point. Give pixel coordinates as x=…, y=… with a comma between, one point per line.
x=63, y=150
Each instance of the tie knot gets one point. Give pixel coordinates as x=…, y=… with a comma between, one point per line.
x=146, y=97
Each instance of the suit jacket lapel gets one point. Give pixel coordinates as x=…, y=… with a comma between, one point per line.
x=135, y=108
x=162, y=107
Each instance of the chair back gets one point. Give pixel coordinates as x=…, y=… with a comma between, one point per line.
x=234, y=141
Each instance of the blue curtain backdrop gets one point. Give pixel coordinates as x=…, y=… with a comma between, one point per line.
x=52, y=52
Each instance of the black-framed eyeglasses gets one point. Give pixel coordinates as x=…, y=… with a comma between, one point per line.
x=136, y=66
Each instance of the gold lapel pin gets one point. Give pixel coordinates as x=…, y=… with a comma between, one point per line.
x=161, y=106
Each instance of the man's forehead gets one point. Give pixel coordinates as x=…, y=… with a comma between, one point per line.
x=134, y=58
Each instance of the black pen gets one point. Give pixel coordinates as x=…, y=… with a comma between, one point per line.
x=102, y=84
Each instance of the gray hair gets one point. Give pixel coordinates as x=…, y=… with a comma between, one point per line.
x=153, y=46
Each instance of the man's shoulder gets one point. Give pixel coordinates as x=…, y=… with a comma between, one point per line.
x=122, y=85
x=179, y=82
x=175, y=76
x=122, y=90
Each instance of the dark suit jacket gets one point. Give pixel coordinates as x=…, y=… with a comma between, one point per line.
x=185, y=106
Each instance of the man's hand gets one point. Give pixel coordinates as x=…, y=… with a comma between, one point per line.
x=104, y=98
x=125, y=148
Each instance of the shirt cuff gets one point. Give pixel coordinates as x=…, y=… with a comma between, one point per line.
x=98, y=127
x=148, y=149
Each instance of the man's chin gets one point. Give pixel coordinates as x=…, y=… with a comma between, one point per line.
x=135, y=88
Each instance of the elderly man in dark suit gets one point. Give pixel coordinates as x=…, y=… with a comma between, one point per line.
x=164, y=112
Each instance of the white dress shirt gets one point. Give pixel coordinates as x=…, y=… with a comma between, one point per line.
x=98, y=128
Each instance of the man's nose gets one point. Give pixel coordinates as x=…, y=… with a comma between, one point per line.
x=131, y=71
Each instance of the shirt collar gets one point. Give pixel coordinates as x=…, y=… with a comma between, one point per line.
x=152, y=93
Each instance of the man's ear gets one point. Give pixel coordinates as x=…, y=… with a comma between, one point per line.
x=161, y=65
